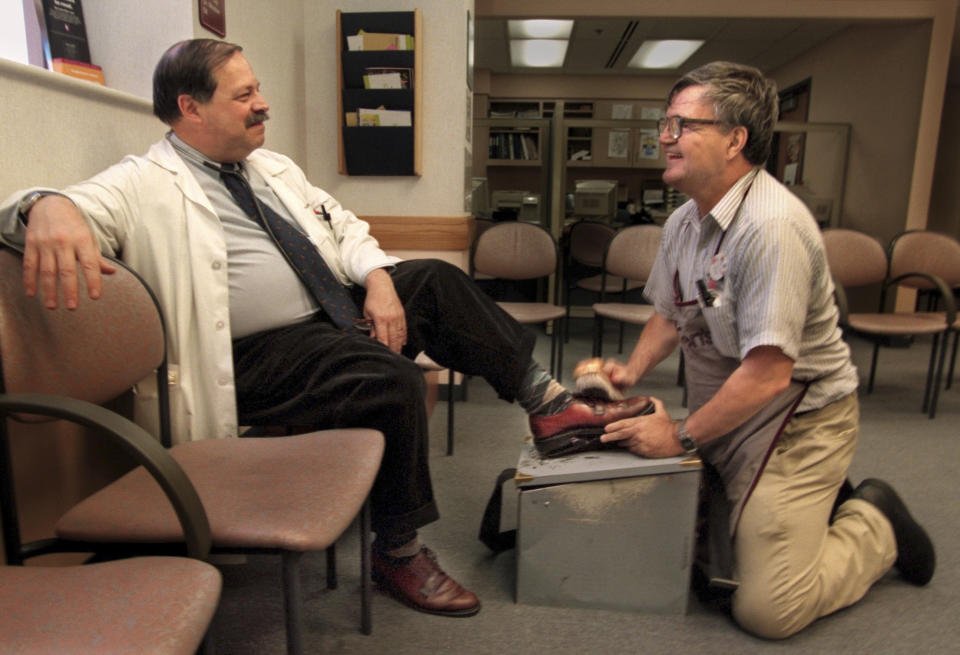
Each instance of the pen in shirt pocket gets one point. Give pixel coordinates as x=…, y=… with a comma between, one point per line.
x=707, y=297
x=322, y=212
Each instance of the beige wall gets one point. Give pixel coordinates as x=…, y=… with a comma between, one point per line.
x=272, y=35
x=579, y=86
x=945, y=200
x=148, y=29
x=440, y=190
x=62, y=130
x=68, y=130
x=872, y=78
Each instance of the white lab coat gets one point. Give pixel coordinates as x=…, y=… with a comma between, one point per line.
x=152, y=213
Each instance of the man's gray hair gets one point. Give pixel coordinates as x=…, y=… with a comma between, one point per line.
x=741, y=95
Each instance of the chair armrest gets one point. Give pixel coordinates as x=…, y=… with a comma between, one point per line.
x=134, y=440
x=840, y=296
x=946, y=293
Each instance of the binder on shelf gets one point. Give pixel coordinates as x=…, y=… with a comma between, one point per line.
x=387, y=77
x=383, y=117
x=377, y=41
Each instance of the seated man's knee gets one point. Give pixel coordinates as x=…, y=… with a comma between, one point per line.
x=392, y=379
x=408, y=379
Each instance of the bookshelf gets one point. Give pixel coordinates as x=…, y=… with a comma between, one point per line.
x=379, y=150
x=579, y=139
x=517, y=158
x=514, y=132
x=513, y=144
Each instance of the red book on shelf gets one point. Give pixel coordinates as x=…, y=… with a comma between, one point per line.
x=78, y=69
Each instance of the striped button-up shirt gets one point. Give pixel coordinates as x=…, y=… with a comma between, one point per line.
x=760, y=253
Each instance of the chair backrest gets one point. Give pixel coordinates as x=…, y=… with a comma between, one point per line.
x=93, y=353
x=855, y=258
x=481, y=225
x=927, y=252
x=588, y=241
x=515, y=251
x=632, y=251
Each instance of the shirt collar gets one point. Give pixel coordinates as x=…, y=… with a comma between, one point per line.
x=726, y=210
x=195, y=156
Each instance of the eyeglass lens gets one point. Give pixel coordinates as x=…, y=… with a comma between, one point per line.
x=672, y=125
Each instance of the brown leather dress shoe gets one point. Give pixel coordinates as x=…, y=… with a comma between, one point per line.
x=419, y=582
x=580, y=425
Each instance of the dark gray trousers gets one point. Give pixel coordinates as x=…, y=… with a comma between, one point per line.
x=313, y=374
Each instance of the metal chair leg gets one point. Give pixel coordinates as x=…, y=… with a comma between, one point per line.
x=450, y=401
x=682, y=379
x=332, y=566
x=873, y=365
x=927, y=390
x=938, y=378
x=598, y=337
x=291, y=601
x=559, y=344
x=208, y=643
x=366, y=619
x=953, y=360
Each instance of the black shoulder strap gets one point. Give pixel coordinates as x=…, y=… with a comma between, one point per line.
x=490, y=533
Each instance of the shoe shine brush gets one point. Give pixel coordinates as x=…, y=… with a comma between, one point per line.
x=592, y=382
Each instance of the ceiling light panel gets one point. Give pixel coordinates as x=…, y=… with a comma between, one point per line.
x=538, y=53
x=540, y=29
x=669, y=53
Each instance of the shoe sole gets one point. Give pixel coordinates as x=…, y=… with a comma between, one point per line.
x=917, y=542
x=572, y=442
x=578, y=440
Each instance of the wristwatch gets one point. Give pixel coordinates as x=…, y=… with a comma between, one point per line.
x=23, y=209
x=686, y=441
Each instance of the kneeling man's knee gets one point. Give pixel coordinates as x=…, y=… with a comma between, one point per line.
x=762, y=615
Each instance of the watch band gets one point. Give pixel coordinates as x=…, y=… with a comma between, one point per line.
x=686, y=441
x=28, y=201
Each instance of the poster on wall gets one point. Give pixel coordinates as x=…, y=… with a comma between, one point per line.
x=618, y=144
x=649, y=144
x=63, y=31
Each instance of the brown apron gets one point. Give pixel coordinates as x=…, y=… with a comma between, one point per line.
x=735, y=460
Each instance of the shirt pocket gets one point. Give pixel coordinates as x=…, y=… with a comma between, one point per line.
x=721, y=320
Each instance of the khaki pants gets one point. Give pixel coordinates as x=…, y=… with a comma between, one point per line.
x=793, y=565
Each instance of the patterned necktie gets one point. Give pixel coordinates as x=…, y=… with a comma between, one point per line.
x=299, y=252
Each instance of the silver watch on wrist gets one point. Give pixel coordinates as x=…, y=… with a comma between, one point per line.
x=686, y=441
x=27, y=203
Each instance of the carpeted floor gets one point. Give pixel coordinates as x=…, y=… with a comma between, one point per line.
x=920, y=457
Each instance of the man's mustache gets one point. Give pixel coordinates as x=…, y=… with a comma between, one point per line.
x=257, y=117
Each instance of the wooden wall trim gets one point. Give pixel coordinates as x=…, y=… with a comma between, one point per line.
x=422, y=232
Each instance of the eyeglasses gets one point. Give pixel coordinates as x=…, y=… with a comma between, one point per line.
x=363, y=324
x=674, y=124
